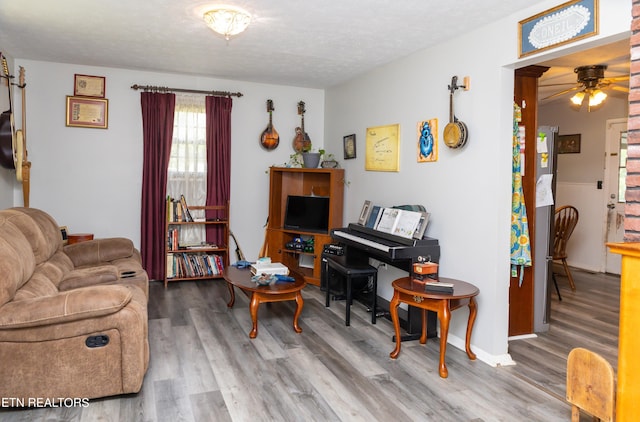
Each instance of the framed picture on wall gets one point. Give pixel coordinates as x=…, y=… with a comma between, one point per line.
x=87, y=112
x=89, y=86
x=382, y=149
x=569, y=144
x=349, y=146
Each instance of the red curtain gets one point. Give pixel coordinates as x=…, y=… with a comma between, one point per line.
x=218, y=111
x=157, y=126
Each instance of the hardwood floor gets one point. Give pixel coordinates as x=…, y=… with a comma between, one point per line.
x=204, y=367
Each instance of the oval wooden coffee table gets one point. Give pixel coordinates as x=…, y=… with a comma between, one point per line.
x=413, y=294
x=276, y=292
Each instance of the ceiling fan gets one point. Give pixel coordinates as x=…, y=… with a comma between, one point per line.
x=591, y=83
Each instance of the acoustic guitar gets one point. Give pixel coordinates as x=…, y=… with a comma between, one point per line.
x=239, y=253
x=23, y=166
x=7, y=127
x=301, y=142
x=270, y=138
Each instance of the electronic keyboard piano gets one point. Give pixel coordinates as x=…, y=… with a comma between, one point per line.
x=362, y=243
x=394, y=250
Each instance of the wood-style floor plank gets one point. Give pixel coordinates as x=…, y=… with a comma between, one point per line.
x=204, y=367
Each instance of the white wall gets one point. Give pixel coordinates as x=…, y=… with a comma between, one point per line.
x=90, y=179
x=467, y=191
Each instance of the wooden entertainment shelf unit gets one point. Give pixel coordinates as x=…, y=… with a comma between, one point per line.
x=285, y=181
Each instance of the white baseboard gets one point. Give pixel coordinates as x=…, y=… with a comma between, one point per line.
x=489, y=359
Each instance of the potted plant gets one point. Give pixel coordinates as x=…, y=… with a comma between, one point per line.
x=311, y=159
x=328, y=161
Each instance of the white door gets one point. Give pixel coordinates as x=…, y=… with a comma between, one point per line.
x=615, y=178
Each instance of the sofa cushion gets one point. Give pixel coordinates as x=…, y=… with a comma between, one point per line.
x=67, y=306
x=39, y=228
x=38, y=285
x=82, y=277
x=17, y=262
x=99, y=251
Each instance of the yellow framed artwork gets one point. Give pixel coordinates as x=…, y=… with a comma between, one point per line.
x=427, y=141
x=382, y=149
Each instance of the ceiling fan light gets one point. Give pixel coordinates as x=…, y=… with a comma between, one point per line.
x=578, y=98
x=227, y=20
x=596, y=98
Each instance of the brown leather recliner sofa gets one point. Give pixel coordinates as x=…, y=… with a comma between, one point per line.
x=73, y=319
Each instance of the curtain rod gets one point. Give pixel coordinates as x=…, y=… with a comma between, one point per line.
x=193, y=91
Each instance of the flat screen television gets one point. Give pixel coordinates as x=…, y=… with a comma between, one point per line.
x=307, y=213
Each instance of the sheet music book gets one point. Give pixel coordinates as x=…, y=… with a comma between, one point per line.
x=388, y=220
x=407, y=223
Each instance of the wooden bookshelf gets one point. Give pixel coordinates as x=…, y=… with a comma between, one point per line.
x=195, y=262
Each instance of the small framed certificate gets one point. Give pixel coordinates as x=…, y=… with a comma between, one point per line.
x=89, y=86
x=87, y=112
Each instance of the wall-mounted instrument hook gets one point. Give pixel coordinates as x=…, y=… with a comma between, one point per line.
x=454, y=84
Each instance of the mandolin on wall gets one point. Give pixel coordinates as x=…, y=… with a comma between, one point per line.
x=270, y=137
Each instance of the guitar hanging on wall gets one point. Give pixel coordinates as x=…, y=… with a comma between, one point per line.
x=23, y=167
x=270, y=138
x=302, y=142
x=8, y=156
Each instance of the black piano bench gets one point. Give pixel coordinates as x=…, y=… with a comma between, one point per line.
x=349, y=271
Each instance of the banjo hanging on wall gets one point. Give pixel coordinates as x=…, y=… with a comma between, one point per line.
x=455, y=132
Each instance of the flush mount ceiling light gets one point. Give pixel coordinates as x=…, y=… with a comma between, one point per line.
x=227, y=20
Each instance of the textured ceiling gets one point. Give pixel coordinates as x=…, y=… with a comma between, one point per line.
x=292, y=42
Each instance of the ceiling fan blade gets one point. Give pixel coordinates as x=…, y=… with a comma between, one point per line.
x=557, y=94
x=618, y=88
x=566, y=83
x=616, y=79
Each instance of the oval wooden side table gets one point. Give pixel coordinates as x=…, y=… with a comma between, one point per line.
x=413, y=294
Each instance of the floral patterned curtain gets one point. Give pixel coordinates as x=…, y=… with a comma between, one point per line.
x=520, y=241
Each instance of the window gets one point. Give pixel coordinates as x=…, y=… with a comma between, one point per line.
x=622, y=167
x=187, y=174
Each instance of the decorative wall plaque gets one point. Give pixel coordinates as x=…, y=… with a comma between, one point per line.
x=569, y=22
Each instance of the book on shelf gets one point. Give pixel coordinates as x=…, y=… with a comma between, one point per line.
x=187, y=214
x=198, y=246
x=177, y=210
x=173, y=239
x=185, y=265
x=171, y=269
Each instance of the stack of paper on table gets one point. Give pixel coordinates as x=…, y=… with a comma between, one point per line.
x=269, y=268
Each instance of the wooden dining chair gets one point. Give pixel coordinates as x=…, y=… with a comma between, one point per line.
x=590, y=385
x=565, y=221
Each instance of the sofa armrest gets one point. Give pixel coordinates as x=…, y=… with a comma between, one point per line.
x=99, y=251
x=73, y=305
